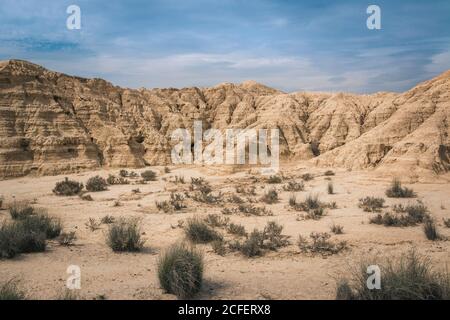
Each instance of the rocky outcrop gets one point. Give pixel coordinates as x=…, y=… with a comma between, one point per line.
x=53, y=123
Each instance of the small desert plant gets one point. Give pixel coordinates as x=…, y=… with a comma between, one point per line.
x=67, y=238
x=293, y=201
x=446, y=222
x=198, y=231
x=270, y=197
x=294, y=186
x=148, y=175
x=234, y=198
x=227, y=211
x=108, y=219
x=250, y=191
x=314, y=214
x=218, y=247
x=51, y=227
x=337, y=229
x=180, y=271
x=273, y=237
x=166, y=170
x=117, y=203
x=203, y=191
x=215, y=220
x=28, y=234
x=1, y=201
x=311, y=202
x=371, y=204
x=133, y=174
x=177, y=201
x=92, y=224
x=123, y=173
x=125, y=235
x=86, y=197
x=397, y=191
x=330, y=188
x=95, y=184
x=410, y=215
x=430, y=230
x=249, y=210
x=252, y=246
x=28, y=239
x=237, y=229
x=321, y=244
x=9, y=246
x=274, y=179
x=329, y=173
x=416, y=213
x=411, y=277
x=20, y=210
x=67, y=188
x=179, y=179
x=136, y=191
x=307, y=177
x=314, y=208
x=163, y=206
x=112, y=180
x=9, y=290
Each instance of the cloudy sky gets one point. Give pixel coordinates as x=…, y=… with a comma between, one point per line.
x=290, y=45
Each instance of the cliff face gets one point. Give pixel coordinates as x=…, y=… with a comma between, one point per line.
x=52, y=123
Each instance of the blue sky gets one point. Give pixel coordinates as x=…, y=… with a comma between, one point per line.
x=290, y=45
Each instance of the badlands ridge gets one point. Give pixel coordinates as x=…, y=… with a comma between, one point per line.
x=52, y=123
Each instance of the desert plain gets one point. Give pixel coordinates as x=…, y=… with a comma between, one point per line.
x=286, y=273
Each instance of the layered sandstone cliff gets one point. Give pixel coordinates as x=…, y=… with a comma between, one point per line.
x=53, y=123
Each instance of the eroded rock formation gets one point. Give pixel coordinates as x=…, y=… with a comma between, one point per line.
x=53, y=123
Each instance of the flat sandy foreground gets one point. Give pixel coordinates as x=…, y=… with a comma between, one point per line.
x=283, y=274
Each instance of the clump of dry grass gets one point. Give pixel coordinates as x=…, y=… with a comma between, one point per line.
x=112, y=180
x=371, y=204
x=411, y=277
x=125, y=235
x=237, y=229
x=96, y=184
x=337, y=229
x=92, y=224
x=10, y=290
x=270, y=238
x=270, y=197
x=251, y=210
x=446, y=222
x=430, y=230
x=397, y=191
x=330, y=188
x=294, y=186
x=216, y=221
x=67, y=238
x=68, y=187
x=202, y=192
x=248, y=191
x=180, y=271
x=307, y=176
x=274, y=179
x=148, y=175
x=320, y=244
x=198, y=231
x=314, y=208
x=410, y=215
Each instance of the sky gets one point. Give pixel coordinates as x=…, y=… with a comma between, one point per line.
x=312, y=45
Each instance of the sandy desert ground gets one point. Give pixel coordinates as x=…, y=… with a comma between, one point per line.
x=283, y=274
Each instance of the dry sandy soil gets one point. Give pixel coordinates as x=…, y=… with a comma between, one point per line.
x=283, y=274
